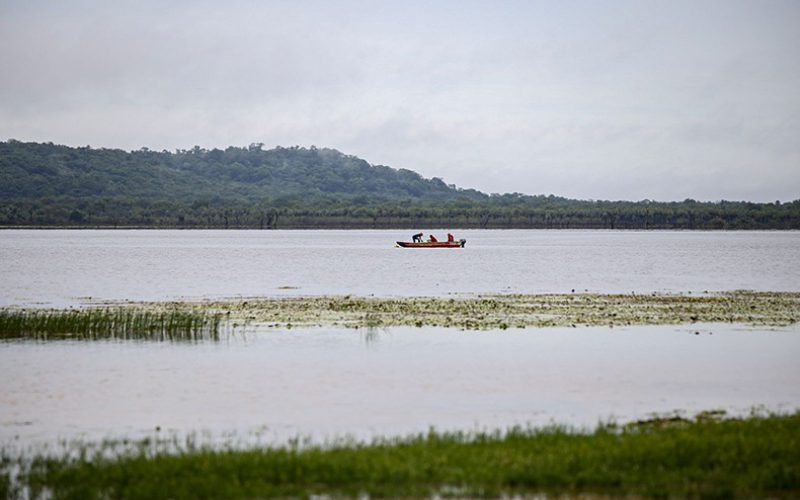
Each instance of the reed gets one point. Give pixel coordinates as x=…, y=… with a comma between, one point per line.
x=123, y=323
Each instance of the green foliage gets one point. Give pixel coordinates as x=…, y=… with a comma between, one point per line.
x=35, y=171
x=756, y=457
x=45, y=185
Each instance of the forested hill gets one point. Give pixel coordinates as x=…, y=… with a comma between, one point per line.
x=31, y=170
x=47, y=185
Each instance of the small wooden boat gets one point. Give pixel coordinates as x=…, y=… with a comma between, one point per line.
x=433, y=244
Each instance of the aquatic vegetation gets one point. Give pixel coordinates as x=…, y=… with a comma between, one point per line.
x=754, y=457
x=511, y=311
x=203, y=319
x=109, y=323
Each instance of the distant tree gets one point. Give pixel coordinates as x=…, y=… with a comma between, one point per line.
x=77, y=217
x=51, y=185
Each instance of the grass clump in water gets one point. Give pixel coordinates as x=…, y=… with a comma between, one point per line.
x=755, y=457
x=109, y=323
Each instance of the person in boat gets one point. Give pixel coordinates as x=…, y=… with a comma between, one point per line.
x=417, y=238
x=450, y=238
x=433, y=239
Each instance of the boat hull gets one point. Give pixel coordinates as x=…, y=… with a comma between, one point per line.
x=432, y=244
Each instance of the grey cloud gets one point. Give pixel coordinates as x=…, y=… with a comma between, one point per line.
x=613, y=100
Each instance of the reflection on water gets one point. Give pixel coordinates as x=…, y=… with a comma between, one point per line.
x=69, y=267
x=328, y=382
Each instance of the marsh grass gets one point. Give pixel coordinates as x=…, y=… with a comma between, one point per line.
x=109, y=323
x=754, y=457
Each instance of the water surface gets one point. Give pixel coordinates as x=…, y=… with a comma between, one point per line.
x=326, y=382
x=66, y=267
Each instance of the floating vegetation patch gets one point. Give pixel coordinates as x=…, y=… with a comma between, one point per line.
x=203, y=320
x=510, y=311
x=123, y=323
x=753, y=457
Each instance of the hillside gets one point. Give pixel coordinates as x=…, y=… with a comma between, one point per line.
x=32, y=170
x=47, y=185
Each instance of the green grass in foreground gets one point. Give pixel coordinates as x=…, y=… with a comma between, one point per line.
x=756, y=457
x=108, y=323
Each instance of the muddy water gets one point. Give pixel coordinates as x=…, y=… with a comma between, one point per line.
x=325, y=382
x=70, y=267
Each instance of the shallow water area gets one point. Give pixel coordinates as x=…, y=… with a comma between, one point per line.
x=273, y=385
x=60, y=268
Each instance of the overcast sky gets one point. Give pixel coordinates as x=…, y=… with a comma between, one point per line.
x=605, y=100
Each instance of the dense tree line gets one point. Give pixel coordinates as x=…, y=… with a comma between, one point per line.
x=32, y=170
x=47, y=185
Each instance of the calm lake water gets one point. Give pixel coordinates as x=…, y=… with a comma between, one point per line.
x=324, y=382
x=70, y=267
x=327, y=382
